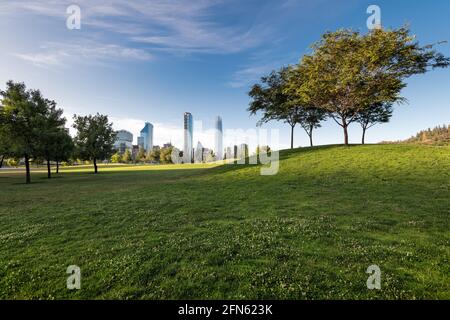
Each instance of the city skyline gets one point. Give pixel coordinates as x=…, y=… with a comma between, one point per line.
x=99, y=68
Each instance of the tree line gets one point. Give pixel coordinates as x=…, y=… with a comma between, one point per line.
x=32, y=128
x=439, y=135
x=156, y=155
x=348, y=77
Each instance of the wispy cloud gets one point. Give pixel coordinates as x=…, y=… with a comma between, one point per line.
x=88, y=52
x=261, y=64
x=174, y=26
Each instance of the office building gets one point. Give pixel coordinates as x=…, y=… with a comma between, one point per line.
x=146, y=139
x=124, y=141
x=218, y=132
x=198, y=153
x=188, y=155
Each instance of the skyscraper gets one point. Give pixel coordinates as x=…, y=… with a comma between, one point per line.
x=146, y=138
x=124, y=141
x=188, y=138
x=218, y=138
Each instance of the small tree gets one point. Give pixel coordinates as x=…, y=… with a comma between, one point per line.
x=374, y=114
x=116, y=158
x=65, y=147
x=52, y=128
x=95, y=138
x=141, y=155
x=310, y=119
x=166, y=155
x=126, y=158
x=154, y=155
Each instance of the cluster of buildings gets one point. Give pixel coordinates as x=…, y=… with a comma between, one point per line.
x=124, y=142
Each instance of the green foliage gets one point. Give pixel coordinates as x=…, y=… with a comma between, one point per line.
x=127, y=158
x=95, y=138
x=12, y=162
x=154, y=155
x=348, y=72
x=166, y=155
x=141, y=155
x=23, y=117
x=372, y=115
x=65, y=146
x=439, y=135
x=275, y=98
x=116, y=158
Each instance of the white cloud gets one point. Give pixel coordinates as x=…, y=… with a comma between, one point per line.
x=175, y=26
x=63, y=54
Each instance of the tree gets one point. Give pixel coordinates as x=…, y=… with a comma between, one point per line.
x=126, y=157
x=374, y=114
x=310, y=119
x=166, y=155
x=95, y=138
x=5, y=148
x=22, y=117
x=116, y=158
x=141, y=155
x=273, y=100
x=154, y=155
x=52, y=127
x=64, y=149
x=348, y=72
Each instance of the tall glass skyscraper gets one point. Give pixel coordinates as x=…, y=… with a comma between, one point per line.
x=218, y=133
x=146, y=138
x=188, y=138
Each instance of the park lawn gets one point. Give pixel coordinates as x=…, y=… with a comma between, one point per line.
x=226, y=232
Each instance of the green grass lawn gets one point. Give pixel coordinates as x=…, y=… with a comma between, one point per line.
x=197, y=232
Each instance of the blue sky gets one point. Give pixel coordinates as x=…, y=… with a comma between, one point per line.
x=153, y=60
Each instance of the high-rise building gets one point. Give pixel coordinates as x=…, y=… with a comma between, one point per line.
x=218, y=138
x=146, y=138
x=124, y=141
x=188, y=138
x=140, y=142
x=198, y=153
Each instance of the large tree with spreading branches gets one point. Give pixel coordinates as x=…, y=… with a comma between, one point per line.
x=348, y=72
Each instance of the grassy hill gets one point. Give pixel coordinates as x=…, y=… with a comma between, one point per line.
x=309, y=232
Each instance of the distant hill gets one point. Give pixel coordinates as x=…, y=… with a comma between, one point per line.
x=439, y=135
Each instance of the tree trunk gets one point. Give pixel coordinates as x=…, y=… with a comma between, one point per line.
x=95, y=166
x=27, y=167
x=57, y=166
x=292, y=137
x=345, y=126
x=363, y=135
x=49, y=171
x=311, y=137
x=1, y=161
